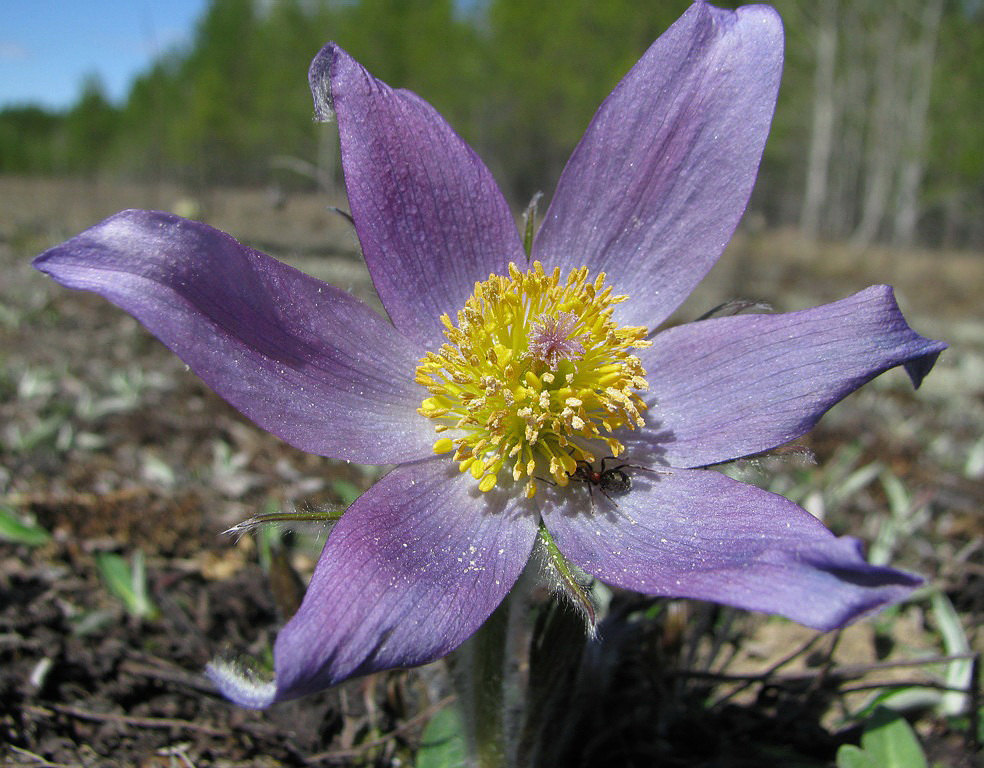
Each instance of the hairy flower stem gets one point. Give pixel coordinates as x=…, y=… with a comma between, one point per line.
x=486, y=674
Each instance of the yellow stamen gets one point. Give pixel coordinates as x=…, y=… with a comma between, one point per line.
x=443, y=445
x=533, y=369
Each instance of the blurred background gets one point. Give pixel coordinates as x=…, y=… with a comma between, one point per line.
x=119, y=469
x=877, y=136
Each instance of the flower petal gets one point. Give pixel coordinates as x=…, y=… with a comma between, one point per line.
x=733, y=386
x=656, y=187
x=412, y=569
x=699, y=534
x=301, y=358
x=430, y=217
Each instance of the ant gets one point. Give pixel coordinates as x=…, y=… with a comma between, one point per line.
x=607, y=480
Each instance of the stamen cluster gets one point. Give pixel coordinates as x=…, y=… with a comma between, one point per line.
x=534, y=371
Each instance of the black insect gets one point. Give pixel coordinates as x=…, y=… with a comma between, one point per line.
x=608, y=480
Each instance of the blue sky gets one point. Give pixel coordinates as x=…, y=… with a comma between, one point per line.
x=47, y=47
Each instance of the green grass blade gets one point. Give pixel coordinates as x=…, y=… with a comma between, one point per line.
x=15, y=530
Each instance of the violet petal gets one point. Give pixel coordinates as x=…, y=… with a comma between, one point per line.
x=733, y=386
x=302, y=359
x=430, y=217
x=412, y=569
x=699, y=534
x=656, y=187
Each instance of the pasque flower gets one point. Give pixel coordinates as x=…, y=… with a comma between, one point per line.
x=496, y=375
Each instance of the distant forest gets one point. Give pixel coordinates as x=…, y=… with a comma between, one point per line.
x=878, y=134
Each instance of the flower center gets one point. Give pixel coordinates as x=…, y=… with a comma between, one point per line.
x=533, y=373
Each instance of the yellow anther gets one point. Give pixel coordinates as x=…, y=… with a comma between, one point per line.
x=569, y=463
x=533, y=369
x=444, y=445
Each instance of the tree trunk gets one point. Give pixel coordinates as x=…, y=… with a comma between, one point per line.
x=883, y=137
x=852, y=98
x=913, y=150
x=824, y=111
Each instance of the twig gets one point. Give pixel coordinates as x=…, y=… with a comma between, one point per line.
x=827, y=669
x=750, y=680
x=861, y=669
x=42, y=762
x=138, y=722
x=78, y=499
x=167, y=674
x=841, y=674
x=179, y=751
x=903, y=684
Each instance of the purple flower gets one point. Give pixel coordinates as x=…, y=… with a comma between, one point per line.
x=494, y=376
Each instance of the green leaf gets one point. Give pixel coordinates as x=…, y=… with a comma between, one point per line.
x=443, y=742
x=891, y=742
x=959, y=674
x=567, y=580
x=15, y=530
x=850, y=756
x=129, y=585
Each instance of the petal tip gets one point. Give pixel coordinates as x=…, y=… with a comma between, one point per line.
x=762, y=20
x=924, y=351
x=864, y=588
x=319, y=78
x=40, y=261
x=920, y=367
x=764, y=15
x=240, y=685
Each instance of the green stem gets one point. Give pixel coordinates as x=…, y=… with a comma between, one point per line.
x=485, y=672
